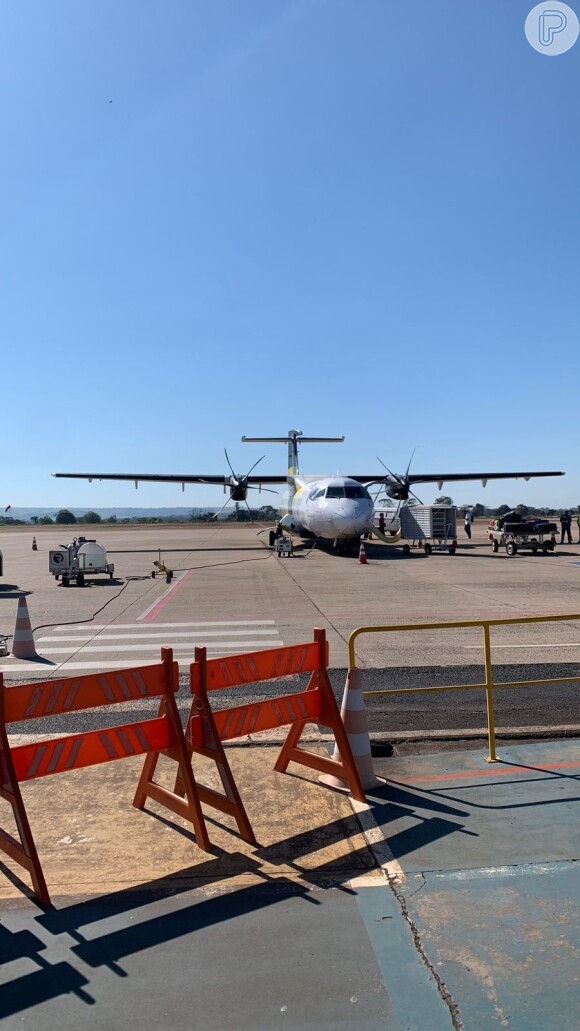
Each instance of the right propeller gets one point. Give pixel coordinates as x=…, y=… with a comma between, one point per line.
x=399, y=487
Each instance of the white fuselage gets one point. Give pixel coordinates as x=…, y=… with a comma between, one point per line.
x=330, y=507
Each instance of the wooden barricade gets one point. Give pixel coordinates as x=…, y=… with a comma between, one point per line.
x=161, y=735
x=207, y=730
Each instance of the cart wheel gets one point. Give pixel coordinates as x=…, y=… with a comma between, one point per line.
x=406, y=549
x=511, y=548
x=546, y=548
x=534, y=551
x=64, y=581
x=428, y=548
x=452, y=551
x=81, y=580
x=494, y=547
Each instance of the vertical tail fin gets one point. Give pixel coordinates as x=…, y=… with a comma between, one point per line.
x=292, y=440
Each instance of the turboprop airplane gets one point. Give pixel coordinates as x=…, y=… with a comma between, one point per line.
x=337, y=509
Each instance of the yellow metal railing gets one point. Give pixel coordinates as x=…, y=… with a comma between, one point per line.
x=488, y=686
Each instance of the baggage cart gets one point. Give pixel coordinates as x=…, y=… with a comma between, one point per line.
x=535, y=535
x=432, y=527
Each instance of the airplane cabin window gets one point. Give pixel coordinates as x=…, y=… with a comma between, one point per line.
x=335, y=492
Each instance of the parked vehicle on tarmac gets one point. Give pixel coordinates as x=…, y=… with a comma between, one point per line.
x=515, y=533
x=78, y=560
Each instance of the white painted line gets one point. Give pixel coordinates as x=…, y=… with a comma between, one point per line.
x=377, y=843
x=139, y=626
x=572, y=644
x=146, y=634
x=183, y=645
x=65, y=667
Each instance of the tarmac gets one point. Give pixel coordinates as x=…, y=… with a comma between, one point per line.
x=449, y=901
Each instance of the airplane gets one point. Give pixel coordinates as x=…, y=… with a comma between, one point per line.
x=336, y=509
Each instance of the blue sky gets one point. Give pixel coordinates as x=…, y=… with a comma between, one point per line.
x=348, y=216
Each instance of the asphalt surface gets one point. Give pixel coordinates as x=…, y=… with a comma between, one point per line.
x=231, y=590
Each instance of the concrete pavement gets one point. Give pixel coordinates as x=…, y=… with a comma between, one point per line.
x=229, y=592
x=457, y=906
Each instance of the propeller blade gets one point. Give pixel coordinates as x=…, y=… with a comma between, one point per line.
x=230, y=465
x=216, y=514
x=409, y=465
x=394, y=475
x=263, y=490
x=249, y=511
x=254, y=466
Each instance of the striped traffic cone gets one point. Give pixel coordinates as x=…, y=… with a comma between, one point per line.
x=354, y=718
x=34, y=544
x=23, y=640
x=362, y=555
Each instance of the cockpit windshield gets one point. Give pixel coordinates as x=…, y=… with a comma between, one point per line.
x=349, y=490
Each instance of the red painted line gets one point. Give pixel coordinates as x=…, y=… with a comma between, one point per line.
x=152, y=616
x=497, y=770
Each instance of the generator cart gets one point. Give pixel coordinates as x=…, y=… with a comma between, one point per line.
x=75, y=561
x=528, y=534
x=432, y=527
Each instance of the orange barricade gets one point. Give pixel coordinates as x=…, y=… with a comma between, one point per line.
x=163, y=734
x=316, y=704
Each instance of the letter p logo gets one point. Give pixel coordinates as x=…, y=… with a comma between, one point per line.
x=552, y=28
x=550, y=23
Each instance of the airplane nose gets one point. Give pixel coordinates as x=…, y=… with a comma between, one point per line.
x=352, y=518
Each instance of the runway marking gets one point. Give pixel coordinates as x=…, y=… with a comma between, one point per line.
x=151, y=613
x=139, y=626
x=499, y=770
x=184, y=645
x=67, y=652
x=162, y=634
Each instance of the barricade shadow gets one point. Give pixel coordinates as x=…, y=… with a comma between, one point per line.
x=506, y=782
x=38, y=986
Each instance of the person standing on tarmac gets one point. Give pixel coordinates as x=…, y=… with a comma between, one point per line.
x=382, y=522
x=578, y=525
x=468, y=522
x=566, y=527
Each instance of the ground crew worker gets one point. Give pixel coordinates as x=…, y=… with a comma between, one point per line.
x=566, y=525
x=382, y=522
x=468, y=522
x=578, y=525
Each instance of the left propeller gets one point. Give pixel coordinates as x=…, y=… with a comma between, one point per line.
x=239, y=487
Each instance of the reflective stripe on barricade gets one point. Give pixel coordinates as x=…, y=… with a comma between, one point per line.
x=160, y=735
x=316, y=704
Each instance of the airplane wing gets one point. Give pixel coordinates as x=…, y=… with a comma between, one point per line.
x=220, y=481
x=441, y=478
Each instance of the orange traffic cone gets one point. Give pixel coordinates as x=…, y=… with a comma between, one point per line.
x=34, y=544
x=23, y=641
x=354, y=718
x=362, y=555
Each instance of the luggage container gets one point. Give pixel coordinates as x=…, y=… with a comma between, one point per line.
x=432, y=527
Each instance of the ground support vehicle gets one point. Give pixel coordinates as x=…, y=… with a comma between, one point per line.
x=432, y=527
x=529, y=535
x=77, y=560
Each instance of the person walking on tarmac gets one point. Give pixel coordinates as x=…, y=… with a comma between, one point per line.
x=578, y=525
x=468, y=522
x=382, y=522
x=566, y=527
